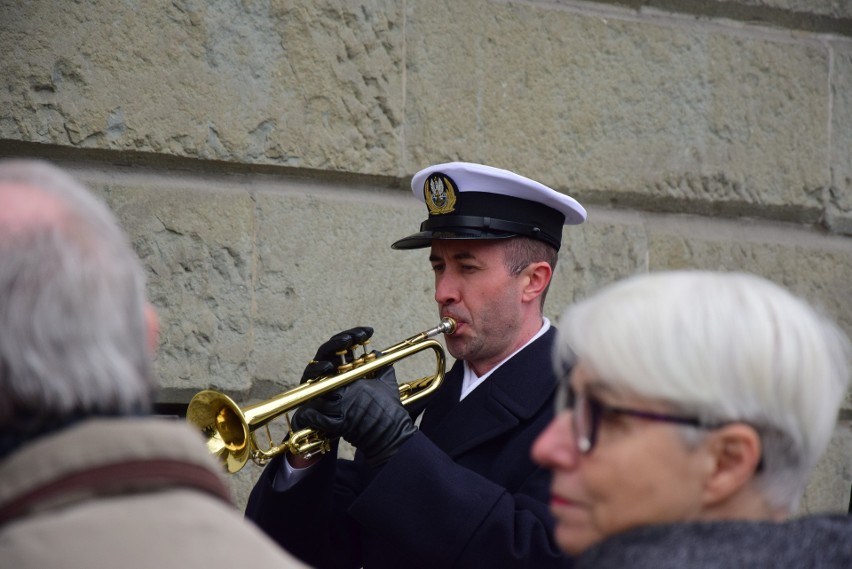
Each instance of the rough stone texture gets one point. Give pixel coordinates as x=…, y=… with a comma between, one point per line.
x=251, y=273
x=818, y=16
x=743, y=123
x=324, y=265
x=832, y=8
x=816, y=267
x=608, y=247
x=561, y=90
x=198, y=250
x=258, y=154
x=839, y=214
x=829, y=488
x=305, y=84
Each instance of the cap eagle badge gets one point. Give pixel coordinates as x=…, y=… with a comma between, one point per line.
x=440, y=193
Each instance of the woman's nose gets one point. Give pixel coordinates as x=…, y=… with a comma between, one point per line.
x=555, y=448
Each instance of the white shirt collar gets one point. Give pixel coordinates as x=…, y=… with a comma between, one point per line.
x=471, y=381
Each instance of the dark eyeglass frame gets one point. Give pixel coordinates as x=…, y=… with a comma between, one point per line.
x=587, y=412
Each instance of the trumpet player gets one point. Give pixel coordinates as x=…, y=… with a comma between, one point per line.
x=459, y=489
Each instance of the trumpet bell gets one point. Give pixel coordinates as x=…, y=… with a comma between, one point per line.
x=224, y=426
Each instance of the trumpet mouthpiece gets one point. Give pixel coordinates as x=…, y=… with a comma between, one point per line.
x=448, y=325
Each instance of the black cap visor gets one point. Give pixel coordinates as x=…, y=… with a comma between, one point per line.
x=489, y=216
x=425, y=238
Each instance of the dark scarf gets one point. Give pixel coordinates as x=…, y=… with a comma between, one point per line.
x=823, y=541
x=11, y=439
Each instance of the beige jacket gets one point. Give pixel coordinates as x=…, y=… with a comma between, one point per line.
x=124, y=493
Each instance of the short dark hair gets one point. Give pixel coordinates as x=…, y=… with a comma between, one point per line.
x=521, y=251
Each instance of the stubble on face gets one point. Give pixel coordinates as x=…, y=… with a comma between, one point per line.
x=485, y=300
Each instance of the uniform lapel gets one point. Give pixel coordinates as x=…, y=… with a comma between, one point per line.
x=514, y=392
x=446, y=398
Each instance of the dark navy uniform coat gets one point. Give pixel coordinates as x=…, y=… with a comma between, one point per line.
x=462, y=492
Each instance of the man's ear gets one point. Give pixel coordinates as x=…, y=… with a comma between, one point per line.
x=538, y=275
x=152, y=327
x=735, y=452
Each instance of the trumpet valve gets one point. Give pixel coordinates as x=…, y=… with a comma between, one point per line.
x=344, y=366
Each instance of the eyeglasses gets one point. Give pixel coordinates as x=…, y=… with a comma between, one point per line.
x=587, y=412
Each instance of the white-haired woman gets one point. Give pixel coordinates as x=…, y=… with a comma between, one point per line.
x=696, y=407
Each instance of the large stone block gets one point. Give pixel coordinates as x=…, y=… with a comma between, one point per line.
x=251, y=273
x=839, y=213
x=306, y=84
x=325, y=265
x=816, y=267
x=829, y=487
x=656, y=113
x=196, y=244
x=652, y=111
x=832, y=8
x=609, y=246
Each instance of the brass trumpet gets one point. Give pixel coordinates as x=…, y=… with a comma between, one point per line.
x=230, y=431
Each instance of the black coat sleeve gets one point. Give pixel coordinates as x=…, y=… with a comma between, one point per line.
x=309, y=520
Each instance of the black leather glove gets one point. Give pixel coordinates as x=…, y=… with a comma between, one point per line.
x=325, y=363
x=367, y=413
x=326, y=360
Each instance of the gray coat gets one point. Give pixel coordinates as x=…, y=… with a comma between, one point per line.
x=127, y=493
x=823, y=542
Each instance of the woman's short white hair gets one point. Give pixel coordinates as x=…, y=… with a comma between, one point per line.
x=724, y=347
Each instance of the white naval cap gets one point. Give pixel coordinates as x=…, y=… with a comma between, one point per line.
x=474, y=201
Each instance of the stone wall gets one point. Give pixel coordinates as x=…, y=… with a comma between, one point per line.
x=259, y=154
